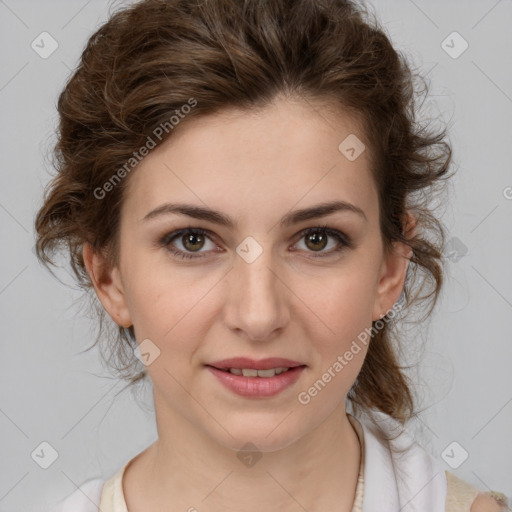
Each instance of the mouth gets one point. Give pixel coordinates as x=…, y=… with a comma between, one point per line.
x=251, y=378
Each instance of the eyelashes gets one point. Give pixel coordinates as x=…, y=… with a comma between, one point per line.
x=167, y=240
x=344, y=242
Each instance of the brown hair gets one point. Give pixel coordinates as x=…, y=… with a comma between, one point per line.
x=150, y=59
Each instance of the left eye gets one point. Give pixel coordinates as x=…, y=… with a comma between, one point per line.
x=316, y=239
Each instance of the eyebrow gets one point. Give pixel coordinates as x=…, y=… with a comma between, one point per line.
x=294, y=217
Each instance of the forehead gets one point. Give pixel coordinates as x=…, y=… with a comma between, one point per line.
x=257, y=163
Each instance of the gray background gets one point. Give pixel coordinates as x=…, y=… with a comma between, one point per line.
x=51, y=392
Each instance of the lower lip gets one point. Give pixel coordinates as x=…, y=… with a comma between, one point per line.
x=257, y=386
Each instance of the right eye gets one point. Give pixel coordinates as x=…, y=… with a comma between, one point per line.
x=192, y=240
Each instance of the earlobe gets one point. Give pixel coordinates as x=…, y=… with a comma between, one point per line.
x=108, y=285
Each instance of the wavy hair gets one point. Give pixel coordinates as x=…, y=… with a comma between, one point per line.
x=147, y=60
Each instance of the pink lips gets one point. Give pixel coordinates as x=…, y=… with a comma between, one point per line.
x=256, y=386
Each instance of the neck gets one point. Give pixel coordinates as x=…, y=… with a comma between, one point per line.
x=188, y=470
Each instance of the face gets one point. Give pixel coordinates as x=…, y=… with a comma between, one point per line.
x=266, y=283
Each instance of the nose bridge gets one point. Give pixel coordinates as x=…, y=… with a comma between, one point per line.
x=257, y=304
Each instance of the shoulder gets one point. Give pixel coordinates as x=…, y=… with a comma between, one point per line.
x=486, y=502
x=461, y=495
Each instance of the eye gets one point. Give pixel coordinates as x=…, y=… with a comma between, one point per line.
x=192, y=240
x=188, y=243
x=317, y=239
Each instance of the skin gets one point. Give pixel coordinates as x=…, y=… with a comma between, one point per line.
x=255, y=167
x=485, y=503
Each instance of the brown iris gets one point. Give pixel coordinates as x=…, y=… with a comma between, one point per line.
x=193, y=241
x=317, y=239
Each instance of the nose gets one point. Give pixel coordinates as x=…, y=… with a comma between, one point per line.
x=256, y=303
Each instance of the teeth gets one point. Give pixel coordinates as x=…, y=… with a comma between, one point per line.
x=251, y=372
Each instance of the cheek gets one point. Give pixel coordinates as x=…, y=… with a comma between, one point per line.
x=155, y=300
x=340, y=302
x=338, y=313
x=166, y=302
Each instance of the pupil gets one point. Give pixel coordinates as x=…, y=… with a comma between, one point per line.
x=191, y=240
x=316, y=238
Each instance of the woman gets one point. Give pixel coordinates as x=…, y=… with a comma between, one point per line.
x=241, y=184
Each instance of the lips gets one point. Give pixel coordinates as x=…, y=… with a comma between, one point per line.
x=253, y=378
x=261, y=364
x=257, y=387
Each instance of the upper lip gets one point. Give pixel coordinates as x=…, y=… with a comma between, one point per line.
x=262, y=364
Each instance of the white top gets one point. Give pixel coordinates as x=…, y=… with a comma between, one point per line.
x=400, y=470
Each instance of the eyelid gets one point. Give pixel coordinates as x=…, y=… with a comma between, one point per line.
x=345, y=240
x=168, y=238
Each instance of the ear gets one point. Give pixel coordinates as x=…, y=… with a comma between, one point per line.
x=393, y=273
x=108, y=285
